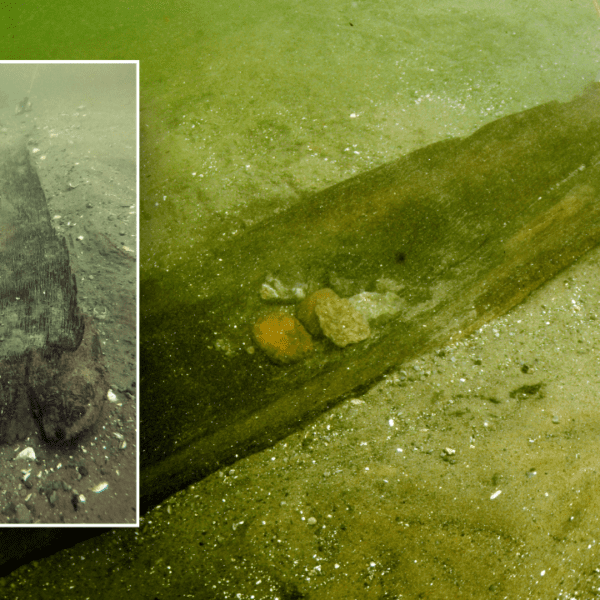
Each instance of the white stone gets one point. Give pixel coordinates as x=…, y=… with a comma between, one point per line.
x=27, y=454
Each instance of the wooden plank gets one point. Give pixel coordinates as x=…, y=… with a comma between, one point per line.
x=465, y=228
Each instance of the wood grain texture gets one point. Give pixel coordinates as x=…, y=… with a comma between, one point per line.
x=47, y=375
x=38, y=293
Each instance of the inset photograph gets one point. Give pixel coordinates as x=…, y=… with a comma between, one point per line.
x=68, y=293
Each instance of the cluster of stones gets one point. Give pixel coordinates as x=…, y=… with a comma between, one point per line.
x=286, y=338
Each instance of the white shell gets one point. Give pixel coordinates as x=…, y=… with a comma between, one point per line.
x=111, y=396
x=28, y=454
x=268, y=293
x=99, y=488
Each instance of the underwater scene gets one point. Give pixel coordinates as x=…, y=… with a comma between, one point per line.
x=369, y=283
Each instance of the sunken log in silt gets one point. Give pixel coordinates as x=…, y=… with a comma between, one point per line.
x=452, y=236
x=51, y=371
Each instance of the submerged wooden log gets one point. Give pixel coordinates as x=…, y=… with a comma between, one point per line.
x=460, y=232
x=50, y=360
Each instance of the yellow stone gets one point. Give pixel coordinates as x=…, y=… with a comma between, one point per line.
x=282, y=337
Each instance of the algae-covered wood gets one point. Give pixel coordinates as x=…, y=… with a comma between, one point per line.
x=464, y=229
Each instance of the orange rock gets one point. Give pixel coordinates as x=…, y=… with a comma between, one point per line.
x=306, y=310
x=282, y=337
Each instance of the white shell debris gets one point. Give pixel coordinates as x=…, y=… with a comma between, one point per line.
x=268, y=293
x=495, y=494
x=119, y=436
x=27, y=454
x=111, y=396
x=275, y=291
x=99, y=488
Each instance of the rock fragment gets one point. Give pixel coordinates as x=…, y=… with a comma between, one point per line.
x=282, y=337
x=306, y=310
x=373, y=304
x=27, y=454
x=341, y=322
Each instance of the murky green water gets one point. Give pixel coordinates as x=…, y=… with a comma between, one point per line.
x=247, y=107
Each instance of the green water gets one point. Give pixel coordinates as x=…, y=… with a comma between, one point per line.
x=247, y=107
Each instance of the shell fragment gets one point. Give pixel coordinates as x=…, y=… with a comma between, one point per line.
x=99, y=488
